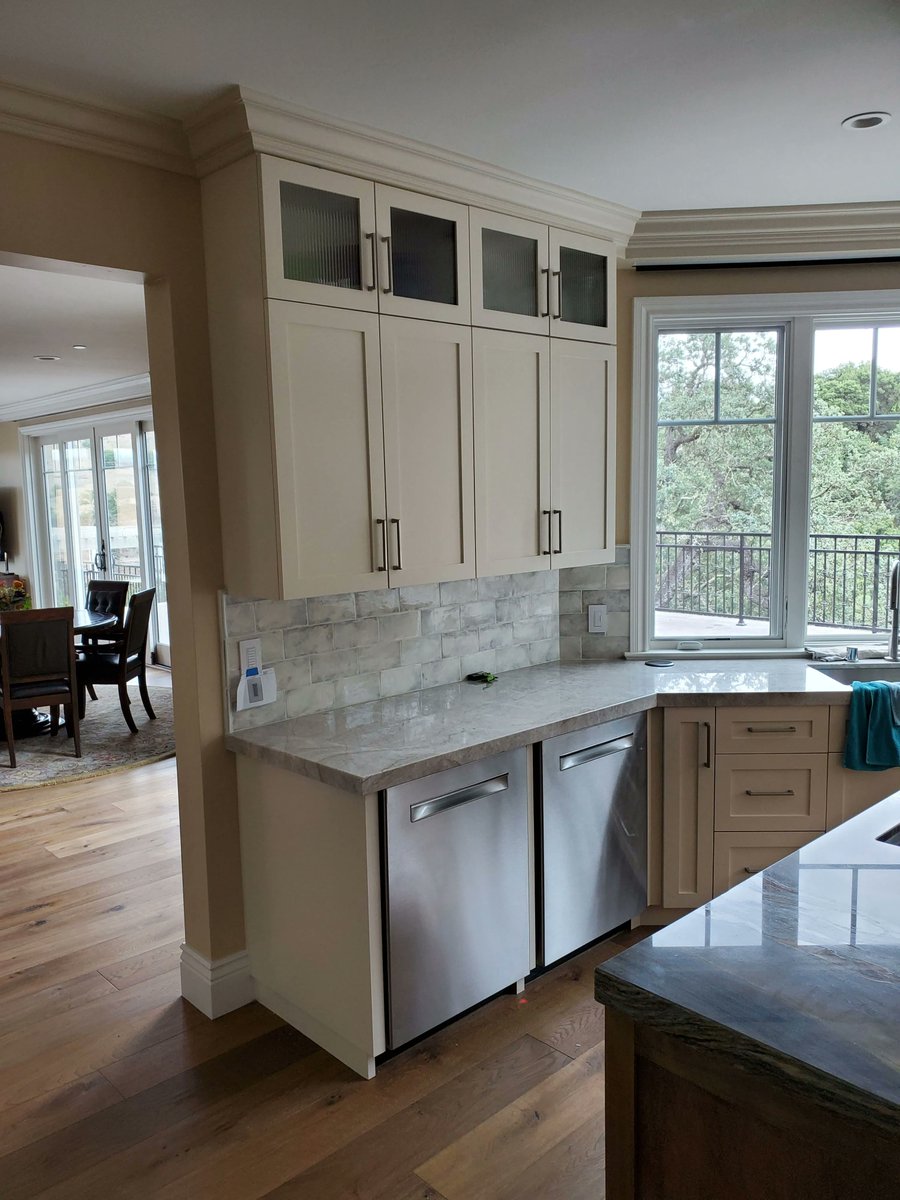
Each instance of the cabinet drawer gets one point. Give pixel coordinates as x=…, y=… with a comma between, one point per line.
x=786, y=791
x=740, y=855
x=772, y=730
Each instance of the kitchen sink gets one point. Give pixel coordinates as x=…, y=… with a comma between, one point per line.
x=867, y=671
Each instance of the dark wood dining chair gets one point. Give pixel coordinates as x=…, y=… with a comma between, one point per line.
x=38, y=668
x=107, y=596
x=125, y=659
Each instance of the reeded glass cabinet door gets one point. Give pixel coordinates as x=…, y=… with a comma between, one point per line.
x=582, y=287
x=510, y=272
x=423, y=260
x=319, y=236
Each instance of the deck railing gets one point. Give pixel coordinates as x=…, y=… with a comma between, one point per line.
x=727, y=575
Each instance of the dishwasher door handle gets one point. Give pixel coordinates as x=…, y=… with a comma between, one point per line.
x=601, y=750
x=475, y=791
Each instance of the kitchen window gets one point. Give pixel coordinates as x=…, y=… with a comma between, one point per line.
x=766, y=470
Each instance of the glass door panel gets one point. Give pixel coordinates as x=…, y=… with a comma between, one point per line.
x=510, y=272
x=423, y=269
x=582, y=293
x=157, y=553
x=86, y=537
x=58, y=546
x=319, y=236
x=122, y=541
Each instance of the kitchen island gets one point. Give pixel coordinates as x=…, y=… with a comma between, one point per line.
x=753, y=1047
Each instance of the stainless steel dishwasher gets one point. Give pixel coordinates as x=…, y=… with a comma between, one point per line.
x=593, y=833
x=455, y=875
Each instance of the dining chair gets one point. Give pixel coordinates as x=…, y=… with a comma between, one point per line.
x=105, y=596
x=38, y=668
x=126, y=660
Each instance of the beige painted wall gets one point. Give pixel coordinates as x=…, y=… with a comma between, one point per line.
x=78, y=207
x=730, y=281
x=12, y=497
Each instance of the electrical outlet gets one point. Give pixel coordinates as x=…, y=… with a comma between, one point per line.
x=598, y=621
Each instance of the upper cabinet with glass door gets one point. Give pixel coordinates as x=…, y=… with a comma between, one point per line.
x=532, y=278
x=324, y=245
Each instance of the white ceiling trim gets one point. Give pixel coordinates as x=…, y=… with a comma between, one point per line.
x=113, y=391
x=241, y=121
x=764, y=234
x=150, y=140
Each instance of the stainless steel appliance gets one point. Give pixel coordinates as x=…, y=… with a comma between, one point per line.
x=456, y=891
x=593, y=814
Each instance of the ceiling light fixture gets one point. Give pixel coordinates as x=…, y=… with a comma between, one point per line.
x=45, y=357
x=866, y=120
x=79, y=347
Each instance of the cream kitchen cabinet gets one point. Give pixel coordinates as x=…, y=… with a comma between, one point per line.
x=533, y=278
x=545, y=452
x=688, y=806
x=335, y=239
x=372, y=423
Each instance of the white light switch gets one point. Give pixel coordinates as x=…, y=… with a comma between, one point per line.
x=597, y=619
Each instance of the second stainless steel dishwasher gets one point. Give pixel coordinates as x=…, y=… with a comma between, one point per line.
x=455, y=875
x=592, y=833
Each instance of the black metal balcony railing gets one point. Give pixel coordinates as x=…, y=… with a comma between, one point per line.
x=125, y=571
x=727, y=575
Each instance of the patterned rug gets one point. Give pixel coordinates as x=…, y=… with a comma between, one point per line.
x=107, y=744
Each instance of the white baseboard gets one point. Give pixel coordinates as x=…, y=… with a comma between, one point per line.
x=355, y=1057
x=216, y=986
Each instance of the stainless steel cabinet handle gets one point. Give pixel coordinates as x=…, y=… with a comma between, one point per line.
x=475, y=791
x=545, y=512
x=382, y=525
x=705, y=726
x=544, y=277
x=386, y=242
x=557, y=275
x=398, y=565
x=772, y=729
x=370, y=287
x=557, y=512
x=601, y=750
x=786, y=792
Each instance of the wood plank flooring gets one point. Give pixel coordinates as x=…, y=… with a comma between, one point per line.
x=111, y=1085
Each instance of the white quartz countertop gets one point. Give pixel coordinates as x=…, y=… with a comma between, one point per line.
x=372, y=746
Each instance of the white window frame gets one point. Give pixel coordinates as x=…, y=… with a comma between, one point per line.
x=798, y=314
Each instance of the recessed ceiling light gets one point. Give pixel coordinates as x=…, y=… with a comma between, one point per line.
x=79, y=347
x=866, y=120
x=45, y=357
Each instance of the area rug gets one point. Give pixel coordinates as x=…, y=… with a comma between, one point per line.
x=107, y=744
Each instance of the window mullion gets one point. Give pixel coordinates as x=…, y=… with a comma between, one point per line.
x=798, y=409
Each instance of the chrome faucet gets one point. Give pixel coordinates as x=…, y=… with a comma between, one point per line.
x=894, y=605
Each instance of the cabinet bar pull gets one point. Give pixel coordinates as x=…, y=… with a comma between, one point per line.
x=386, y=242
x=601, y=750
x=752, y=870
x=772, y=729
x=545, y=512
x=557, y=512
x=786, y=792
x=557, y=275
x=705, y=725
x=398, y=565
x=475, y=791
x=544, y=276
x=370, y=287
x=380, y=521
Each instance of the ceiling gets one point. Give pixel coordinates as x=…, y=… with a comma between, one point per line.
x=652, y=104
x=46, y=313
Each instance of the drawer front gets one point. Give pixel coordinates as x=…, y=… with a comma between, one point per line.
x=785, y=791
x=737, y=856
x=772, y=730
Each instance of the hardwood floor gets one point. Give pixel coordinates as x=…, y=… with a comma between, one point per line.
x=112, y=1086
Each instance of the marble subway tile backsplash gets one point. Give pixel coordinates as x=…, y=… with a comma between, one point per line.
x=609, y=584
x=334, y=651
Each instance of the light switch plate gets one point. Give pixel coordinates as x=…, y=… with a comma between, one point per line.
x=598, y=622
x=251, y=656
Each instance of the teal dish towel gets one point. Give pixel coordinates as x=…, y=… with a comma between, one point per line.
x=873, y=731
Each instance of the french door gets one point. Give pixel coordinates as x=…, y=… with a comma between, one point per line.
x=96, y=494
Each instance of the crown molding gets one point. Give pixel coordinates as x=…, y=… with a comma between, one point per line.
x=242, y=121
x=113, y=391
x=790, y=234
x=152, y=141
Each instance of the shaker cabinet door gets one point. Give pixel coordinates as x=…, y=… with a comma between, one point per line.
x=582, y=287
x=423, y=256
x=510, y=272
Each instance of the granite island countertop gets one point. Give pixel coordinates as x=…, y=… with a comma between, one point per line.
x=376, y=745
x=794, y=973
